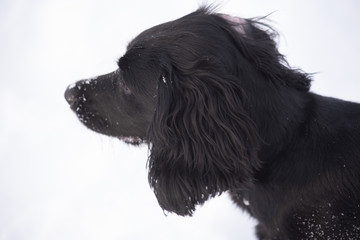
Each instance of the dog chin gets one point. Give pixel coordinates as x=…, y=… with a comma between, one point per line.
x=133, y=140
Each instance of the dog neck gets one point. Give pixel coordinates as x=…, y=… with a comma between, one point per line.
x=278, y=115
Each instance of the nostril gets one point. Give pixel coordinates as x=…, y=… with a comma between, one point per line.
x=70, y=94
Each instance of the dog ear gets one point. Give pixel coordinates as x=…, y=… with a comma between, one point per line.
x=202, y=142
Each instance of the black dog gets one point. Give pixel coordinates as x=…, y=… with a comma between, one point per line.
x=221, y=110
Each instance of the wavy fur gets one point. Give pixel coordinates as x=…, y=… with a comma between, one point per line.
x=222, y=111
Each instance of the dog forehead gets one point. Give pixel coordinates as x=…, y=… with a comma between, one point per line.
x=184, y=26
x=152, y=33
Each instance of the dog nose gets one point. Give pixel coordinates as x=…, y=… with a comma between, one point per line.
x=70, y=94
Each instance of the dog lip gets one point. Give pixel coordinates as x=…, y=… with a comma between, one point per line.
x=134, y=140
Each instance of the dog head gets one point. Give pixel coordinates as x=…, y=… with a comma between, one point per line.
x=180, y=87
x=119, y=104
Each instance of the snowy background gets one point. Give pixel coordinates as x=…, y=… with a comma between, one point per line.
x=59, y=180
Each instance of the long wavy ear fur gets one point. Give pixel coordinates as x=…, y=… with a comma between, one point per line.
x=202, y=142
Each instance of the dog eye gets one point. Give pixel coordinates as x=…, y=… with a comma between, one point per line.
x=124, y=88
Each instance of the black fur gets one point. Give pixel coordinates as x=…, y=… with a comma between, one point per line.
x=221, y=110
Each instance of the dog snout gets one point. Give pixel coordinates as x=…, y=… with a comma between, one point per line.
x=75, y=94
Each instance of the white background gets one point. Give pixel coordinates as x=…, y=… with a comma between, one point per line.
x=59, y=180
